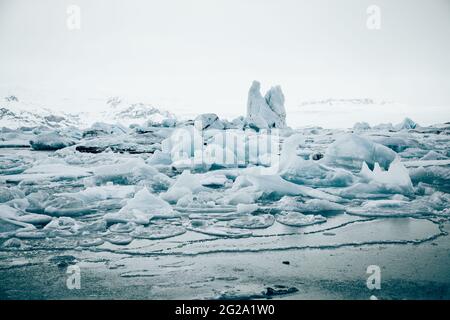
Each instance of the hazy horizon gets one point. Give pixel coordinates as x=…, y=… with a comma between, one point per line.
x=199, y=56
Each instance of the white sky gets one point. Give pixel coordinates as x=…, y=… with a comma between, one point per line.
x=201, y=55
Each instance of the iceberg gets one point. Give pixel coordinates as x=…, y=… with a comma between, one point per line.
x=265, y=112
x=396, y=177
x=296, y=169
x=406, y=124
x=350, y=151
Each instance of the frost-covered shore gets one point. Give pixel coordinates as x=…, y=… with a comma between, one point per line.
x=147, y=201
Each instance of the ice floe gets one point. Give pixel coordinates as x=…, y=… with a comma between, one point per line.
x=297, y=219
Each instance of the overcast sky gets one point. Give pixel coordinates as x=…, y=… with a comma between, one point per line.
x=201, y=55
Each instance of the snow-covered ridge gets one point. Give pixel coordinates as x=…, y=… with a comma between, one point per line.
x=353, y=101
x=15, y=113
x=121, y=111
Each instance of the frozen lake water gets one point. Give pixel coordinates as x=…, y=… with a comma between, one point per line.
x=139, y=223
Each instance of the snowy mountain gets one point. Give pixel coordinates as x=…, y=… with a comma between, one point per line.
x=15, y=113
x=122, y=111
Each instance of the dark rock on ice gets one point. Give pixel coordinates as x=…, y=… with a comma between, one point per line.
x=270, y=292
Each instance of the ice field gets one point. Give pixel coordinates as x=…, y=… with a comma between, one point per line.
x=164, y=208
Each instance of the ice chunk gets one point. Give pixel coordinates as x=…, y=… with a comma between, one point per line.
x=7, y=212
x=105, y=192
x=433, y=155
x=64, y=226
x=14, y=139
x=186, y=183
x=91, y=242
x=51, y=141
x=118, y=239
x=351, y=150
x=268, y=112
x=384, y=127
x=12, y=165
x=32, y=234
x=8, y=194
x=238, y=123
x=321, y=206
x=209, y=228
x=309, y=206
x=396, y=177
x=208, y=121
x=100, y=128
x=218, y=156
x=12, y=243
x=159, y=159
x=392, y=208
x=158, y=231
x=54, y=171
x=253, y=222
x=275, y=99
x=438, y=176
x=140, y=209
x=214, y=181
x=131, y=171
x=123, y=227
x=274, y=186
x=396, y=143
x=247, y=195
x=297, y=219
x=69, y=205
x=9, y=227
x=309, y=172
x=246, y=208
x=361, y=126
x=406, y=124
